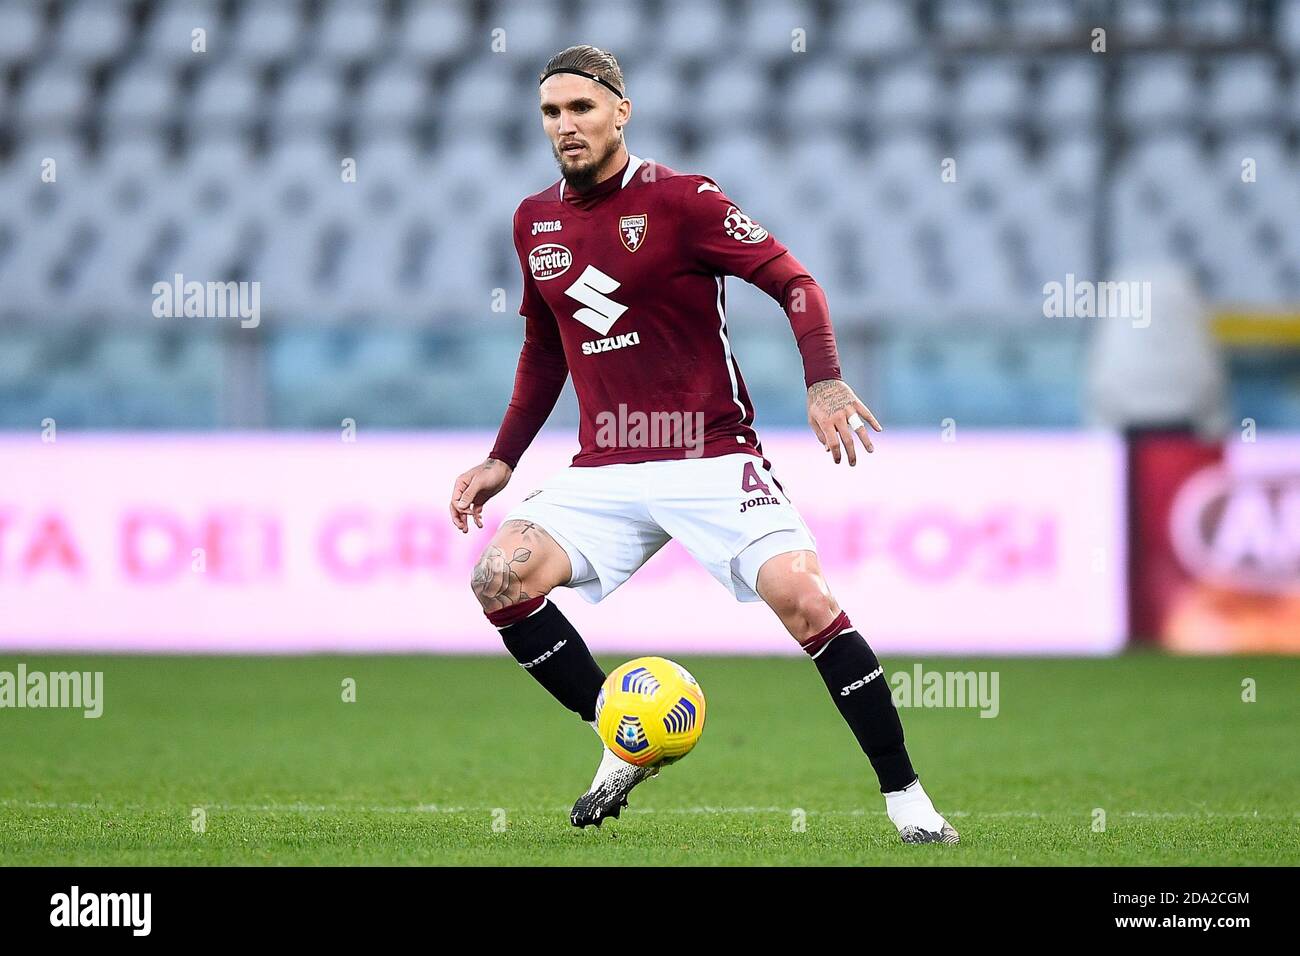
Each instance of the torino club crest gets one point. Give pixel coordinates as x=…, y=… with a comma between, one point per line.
x=631, y=229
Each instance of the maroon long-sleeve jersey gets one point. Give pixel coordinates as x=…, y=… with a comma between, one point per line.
x=624, y=289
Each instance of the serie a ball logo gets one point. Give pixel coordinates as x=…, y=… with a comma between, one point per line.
x=650, y=711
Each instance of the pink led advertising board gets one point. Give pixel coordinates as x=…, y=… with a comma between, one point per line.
x=1005, y=543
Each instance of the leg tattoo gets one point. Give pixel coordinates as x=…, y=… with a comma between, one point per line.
x=496, y=580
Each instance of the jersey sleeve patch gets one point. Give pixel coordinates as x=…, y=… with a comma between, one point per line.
x=741, y=228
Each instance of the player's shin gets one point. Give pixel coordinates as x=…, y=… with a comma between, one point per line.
x=860, y=690
x=546, y=645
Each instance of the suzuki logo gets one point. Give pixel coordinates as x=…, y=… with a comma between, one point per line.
x=591, y=290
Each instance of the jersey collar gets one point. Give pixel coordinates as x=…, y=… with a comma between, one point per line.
x=633, y=164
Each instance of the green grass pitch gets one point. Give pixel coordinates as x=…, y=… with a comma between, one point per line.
x=467, y=761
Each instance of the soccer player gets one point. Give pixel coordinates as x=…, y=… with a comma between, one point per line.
x=623, y=263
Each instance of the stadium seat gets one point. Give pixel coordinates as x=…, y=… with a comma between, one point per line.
x=268, y=31
x=1242, y=90
x=910, y=94
x=1071, y=92
x=225, y=96
x=820, y=93
x=143, y=94
x=1288, y=25
x=615, y=25
x=655, y=90
x=487, y=89
x=645, y=136
x=311, y=96
x=1158, y=90
x=123, y=191
x=433, y=32
x=965, y=21
x=989, y=91
x=1074, y=161
x=351, y=31
x=212, y=186
x=394, y=94
x=766, y=29
x=991, y=160
x=1217, y=20
x=21, y=33
x=694, y=31
x=1046, y=19
x=894, y=273
x=1141, y=19
x=743, y=165
x=93, y=32
x=169, y=35
x=875, y=28
x=54, y=95
x=533, y=30
x=726, y=99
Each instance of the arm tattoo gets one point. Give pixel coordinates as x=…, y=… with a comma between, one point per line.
x=830, y=396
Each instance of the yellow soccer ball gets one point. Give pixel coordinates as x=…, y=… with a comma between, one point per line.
x=650, y=711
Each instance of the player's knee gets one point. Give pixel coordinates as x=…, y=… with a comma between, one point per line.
x=805, y=606
x=504, y=575
x=521, y=563
x=814, y=609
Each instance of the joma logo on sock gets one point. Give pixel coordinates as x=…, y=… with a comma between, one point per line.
x=862, y=683
x=102, y=909
x=537, y=660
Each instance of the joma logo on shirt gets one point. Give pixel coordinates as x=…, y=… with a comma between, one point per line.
x=551, y=225
x=613, y=342
x=549, y=260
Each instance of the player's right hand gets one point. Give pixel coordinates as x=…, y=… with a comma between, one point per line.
x=473, y=488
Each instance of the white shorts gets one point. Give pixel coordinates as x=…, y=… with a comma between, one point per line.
x=727, y=511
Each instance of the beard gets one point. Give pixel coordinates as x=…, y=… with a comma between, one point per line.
x=583, y=178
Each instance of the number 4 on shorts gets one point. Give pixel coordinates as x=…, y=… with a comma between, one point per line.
x=751, y=481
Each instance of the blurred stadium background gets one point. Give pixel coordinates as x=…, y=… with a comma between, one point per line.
x=382, y=298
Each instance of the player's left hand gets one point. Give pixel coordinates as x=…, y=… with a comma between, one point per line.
x=835, y=414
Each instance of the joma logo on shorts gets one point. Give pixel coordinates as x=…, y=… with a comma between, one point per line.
x=755, y=502
x=613, y=342
x=862, y=683
x=537, y=660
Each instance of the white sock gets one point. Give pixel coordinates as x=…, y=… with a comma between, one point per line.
x=911, y=806
x=609, y=761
